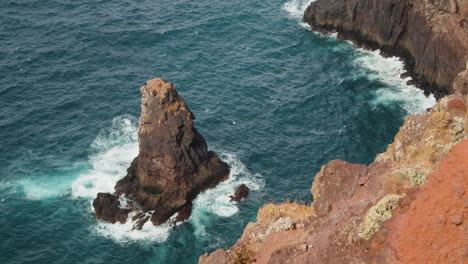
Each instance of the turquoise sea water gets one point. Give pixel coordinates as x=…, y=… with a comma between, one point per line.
x=276, y=100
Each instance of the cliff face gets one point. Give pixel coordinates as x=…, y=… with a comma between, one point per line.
x=421, y=179
x=410, y=205
x=432, y=36
x=172, y=167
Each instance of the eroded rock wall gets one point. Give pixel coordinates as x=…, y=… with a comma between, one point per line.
x=432, y=36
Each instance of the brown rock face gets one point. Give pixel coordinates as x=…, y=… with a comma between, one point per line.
x=432, y=36
x=241, y=192
x=173, y=164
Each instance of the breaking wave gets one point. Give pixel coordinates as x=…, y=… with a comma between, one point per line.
x=388, y=71
x=295, y=9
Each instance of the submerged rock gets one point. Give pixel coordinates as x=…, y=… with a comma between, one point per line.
x=173, y=165
x=241, y=192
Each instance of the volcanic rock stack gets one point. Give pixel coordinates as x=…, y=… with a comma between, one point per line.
x=173, y=165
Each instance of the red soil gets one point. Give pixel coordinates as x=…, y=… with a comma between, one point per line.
x=434, y=227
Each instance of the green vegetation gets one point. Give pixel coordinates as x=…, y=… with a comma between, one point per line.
x=379, y=213
x=153, y=191
x=416, y=178
x=408, y=177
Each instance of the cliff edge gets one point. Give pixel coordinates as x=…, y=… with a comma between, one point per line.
x=172, y=167
x=410, y=205
x=411, y=199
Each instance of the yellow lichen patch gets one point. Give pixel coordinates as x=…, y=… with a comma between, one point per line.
x=270, y=213
x=172, y=107
x=379, y=213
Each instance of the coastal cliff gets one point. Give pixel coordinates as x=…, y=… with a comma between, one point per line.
x=421, y=181
x=410, y=204
x=172, y=167
x=431, y=36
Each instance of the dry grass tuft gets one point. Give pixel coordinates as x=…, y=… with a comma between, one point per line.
x=270, y=213
x=242, y=255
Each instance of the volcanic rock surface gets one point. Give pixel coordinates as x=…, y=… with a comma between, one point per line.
x=173, y=165
x=432, y=36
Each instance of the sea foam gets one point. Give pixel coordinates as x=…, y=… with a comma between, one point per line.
x=295, y=9
x=377, y=67
x=388, y=70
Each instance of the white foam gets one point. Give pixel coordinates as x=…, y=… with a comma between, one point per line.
x=388, y=71
x=124, y=233
x=44, y=187
x=295, y=9
x=216, y=201
x=115, y=148
x=41, y=187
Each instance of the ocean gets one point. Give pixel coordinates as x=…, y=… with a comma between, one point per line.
x=274, y=99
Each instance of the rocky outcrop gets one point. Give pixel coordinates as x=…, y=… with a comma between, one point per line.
x=431, y=36
x=172, y=167
x=410, y=204
x=411, y=199
x=241, y=192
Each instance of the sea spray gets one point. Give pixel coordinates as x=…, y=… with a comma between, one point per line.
x=115, y=148
x=295, y=9
x=396, y=90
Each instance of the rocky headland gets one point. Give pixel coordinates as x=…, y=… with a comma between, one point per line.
x=173, y=165
x=431, y=36
x=410, y=205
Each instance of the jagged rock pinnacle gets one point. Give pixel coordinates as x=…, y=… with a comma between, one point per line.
x=173, y=165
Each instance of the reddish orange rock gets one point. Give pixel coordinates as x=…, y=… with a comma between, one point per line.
x=456, y=105
x=433, y=229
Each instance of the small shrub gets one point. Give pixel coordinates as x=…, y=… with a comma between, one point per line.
x=270, y=213
x=416, y=178
x=379, y=213
x=242, y=255
x=408, y=177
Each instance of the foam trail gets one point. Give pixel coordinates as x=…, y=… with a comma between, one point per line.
x=43, y=187
x=115, y=148
x=296, y=8
x=388, y=71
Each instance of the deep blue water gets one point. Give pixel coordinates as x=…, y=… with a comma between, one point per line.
x=275, y=99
